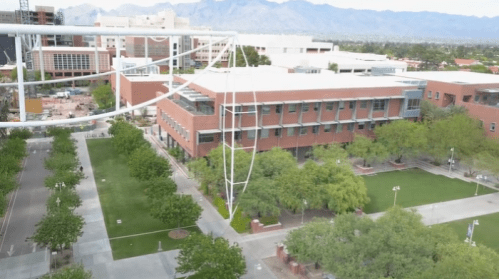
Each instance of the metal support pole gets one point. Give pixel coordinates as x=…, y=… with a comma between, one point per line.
x=232, y=163
x=118, y=73
x=20, y=79
x=146, y=50
x=170, y=63
x=210, y=49
x=451, y=159
x=40, y=54
x=96, y=57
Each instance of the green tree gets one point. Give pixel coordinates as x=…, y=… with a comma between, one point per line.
x=58, y=230
x=104, y=96
x=402, y=138
x=4, y=117
x=38, y=76
x=431, y=112
x=260, y=198
x=13, y=74
x=61, y=162
x=254, y=59
x=9, y=164
x=332, y=151
x=275, y=162
x=7, y=183
x=20, y=133
x=264, y=60
x=159, y=188
x=367, y=149
x=70, y=179
x=15, y=147
x=126, y=138
x=211, y=258
x=68, y=200
x=332, y=67
x=176, y=210
x=480, y=69
x=76, y=271
x=144, y=163
x=489, y=163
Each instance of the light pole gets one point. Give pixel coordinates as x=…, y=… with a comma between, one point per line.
x=58, y=201
x=478, y=177
x=469, y=235
x=303, y=210
x=395, y=189
x=451, y=160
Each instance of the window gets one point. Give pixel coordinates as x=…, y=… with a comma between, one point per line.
x=292, y=108
x=251, y=110
x=327, y=128
x=361, y=126
x=484, y=98
x=238, y=135
x=352, y=104
x=239, y=109
x=251, y=134
x=413, y=104
x=437, y=95
x=351, y=126
x=278, y=132
x=363, y=104
x=373, y=125
x=341, y=105
x=265, y=109
x=315, y=129
x=492, y=127
x=339, y=128
x=291, y=131
x=304, y=107
x=477, y=98
x=379, y=105
x=317, y=106
x=466, y=98
x=303, y=130
x=329, y=105
x=264, y=134
x=278, y=109
x=206, y=138
x=429, y=94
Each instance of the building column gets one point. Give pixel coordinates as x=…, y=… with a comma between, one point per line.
x=20, y=79
x=40, y=54
x=96, y=54
x=118, y=73
x=387, y=104
x=337, y=117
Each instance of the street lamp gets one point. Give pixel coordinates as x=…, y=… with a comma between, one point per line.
x=395, y=189
x=469, y=235
x=478, y=177
x=451, y=160
x=58, y=201
x=303, y=210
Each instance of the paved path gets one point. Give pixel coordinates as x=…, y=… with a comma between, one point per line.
x=20, y=258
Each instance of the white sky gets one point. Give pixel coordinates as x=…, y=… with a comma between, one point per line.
x=489, y=8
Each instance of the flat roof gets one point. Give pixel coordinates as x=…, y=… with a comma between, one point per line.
x=456, y=77
x=65, y=48
x=149, y=77
x=289, y=82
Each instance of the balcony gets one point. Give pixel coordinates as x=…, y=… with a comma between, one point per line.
x=196, y=108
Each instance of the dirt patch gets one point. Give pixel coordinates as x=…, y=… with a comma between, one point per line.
x=178, y=234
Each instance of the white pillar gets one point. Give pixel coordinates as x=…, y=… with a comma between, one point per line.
x=96, y=56
x=146, y=50
x=118, y=73
x=170, y=63
x=20, y=79
x=40, y=53
x=210, y=49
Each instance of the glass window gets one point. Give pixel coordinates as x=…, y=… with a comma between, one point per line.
x=239, y=109
x=379, y=105
x=238, y=135
x=363, y=104
x=429, y=94
x=352, y=104
x=492, y=127
x=303, y=130
x=278, y=109
x=251, y=110
x=264, y=134
x=361, y=126
x=277, y=132
x=329, y=105
x=373, y=125
x=251, y=134
x=315, y=129
x=265, y=109
x=292, y=108
x=341, y=105
x=413, y=104
x=304, y=107
x=206, y=138
x=291, y=131
x=351, y=126
x=339, y=128
x=317, y=106
x=327, y=128
x=477, y=98
x=437, y=95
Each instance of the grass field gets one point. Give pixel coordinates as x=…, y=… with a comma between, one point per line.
x=417, y=187
x=122, y=198
x=484, y=234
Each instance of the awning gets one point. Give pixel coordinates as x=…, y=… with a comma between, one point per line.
x=365, y=98
x=228, y=130
x=250, y=128
x=380, y=119
x=213, y=131
x=312, y=101
x=293, y=102
x=397, y=97
x=251, y=104
x=310, y=124
x=395, y=118
x=346, y=121
x=363, y=120
x=331, y=100
x=329, y=122
x=273, y=103
x=489, y=90
x=271, y=127
x=348, y=99
x=291, y=125
x=230, y=105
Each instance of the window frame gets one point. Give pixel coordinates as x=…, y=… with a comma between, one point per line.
x=339, y=128
x=303, y=130
x=412, y=106
x=305, y=107
x=292, y=129
x=363, y=104
x=265, y=109
x=437, y=95
x=315, y=129
x=262, y=135
x=328, y=130
x=361, y=126
x=200, y=136
x=341, y=105
x=429, y=95
x=253, y=132
x=278, y=132
x=379, y=105
x=291, y=106
x=492, y=127
x=329, y=106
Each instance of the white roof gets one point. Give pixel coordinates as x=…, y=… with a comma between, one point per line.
x=458, y=77
x=290, y=82
x=151, y=77
x=70, y=49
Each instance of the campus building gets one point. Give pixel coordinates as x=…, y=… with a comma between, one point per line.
x=295, y=111
x=478, y=93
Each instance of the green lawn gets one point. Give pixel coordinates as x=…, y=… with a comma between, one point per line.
x=122, y=198
x=484, y=234
x=417, y=187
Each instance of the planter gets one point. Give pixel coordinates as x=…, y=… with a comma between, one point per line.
x=397, y=165
x=257, y=227
x=365, y=170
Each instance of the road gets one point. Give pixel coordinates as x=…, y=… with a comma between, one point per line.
x=27, y=205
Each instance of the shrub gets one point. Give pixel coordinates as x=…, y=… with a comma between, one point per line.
x=269, y=220
x=175, y=152
x=240, y=223
x=61, y=162
x=7, y=183
x=220, y=204
x=3, y=204
x=58, y=132
x=20, y=133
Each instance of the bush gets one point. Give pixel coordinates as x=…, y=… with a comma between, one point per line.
x=15, y=147
x=58, y=132
x=9, y=164
x=20, y=133
x=240, y=223
x=63, y=145
x=3, y=203
x=220, y=204
x=269, y=220
x=7, y=183
x=176, y=153
x=61, y=162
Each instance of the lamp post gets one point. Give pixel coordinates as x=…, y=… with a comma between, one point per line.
x=58, y=201
x=478, y=177
x=469, y=235
x=395, y=189
x=303, y=210
x=451, y=160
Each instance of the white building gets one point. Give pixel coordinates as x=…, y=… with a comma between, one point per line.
x=274, y=44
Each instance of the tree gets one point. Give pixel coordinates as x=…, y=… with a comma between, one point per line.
x=260, y=198
x=176, y=210
x=13, y=74
x=38, y=76
x=104, y=96
x=480, y=69
x=4, y=117
x=431, y=112
x=332, y=67
x=58, y=230
x=70, y=179
x=7, y=183
x=367, y=149
x=332, y=151
x=76, y=271
x=20, y=133
x=402, y=138
x=488, y=162
x=144, y=163
x=160, y=187
x=254, y=59
x=264, y=60
x=15, y=147
x=209, y=257
x=275, y=162
x=126, y=138
x=61, y=162
x=68, y=200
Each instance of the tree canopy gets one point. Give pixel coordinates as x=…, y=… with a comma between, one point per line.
x=76, y=271
x=176, y=210
x=402, y=138
x=254, y=59
x=59, y=229
x=104, y=96
x=367, y=149
x=144, y=163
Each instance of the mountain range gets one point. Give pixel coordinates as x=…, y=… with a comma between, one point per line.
x=302, y=17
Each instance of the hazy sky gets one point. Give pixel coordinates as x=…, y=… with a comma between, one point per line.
x=489, y=8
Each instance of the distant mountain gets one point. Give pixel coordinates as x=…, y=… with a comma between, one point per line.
x=298, y=16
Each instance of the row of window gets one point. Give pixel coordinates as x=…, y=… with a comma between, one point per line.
x=177, y=127
x=437, y=95
x=71, y=61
